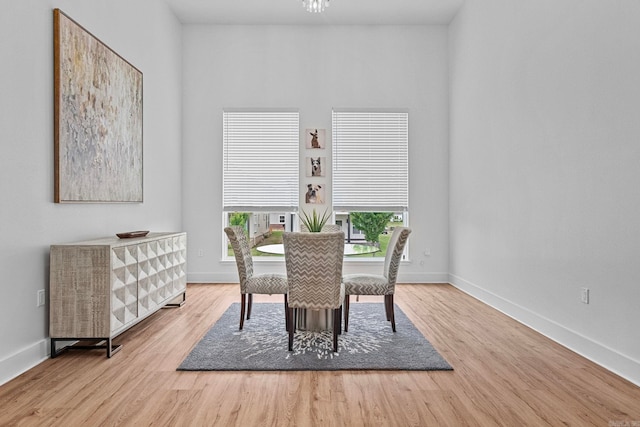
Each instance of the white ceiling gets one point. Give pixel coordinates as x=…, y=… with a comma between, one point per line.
x=291, y=12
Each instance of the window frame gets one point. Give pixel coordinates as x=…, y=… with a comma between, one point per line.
x=250, y=150
x=385, y=115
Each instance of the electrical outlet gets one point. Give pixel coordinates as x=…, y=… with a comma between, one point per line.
x=584, y=295
x=200, y=253
x=427, y=252
x=40, y=302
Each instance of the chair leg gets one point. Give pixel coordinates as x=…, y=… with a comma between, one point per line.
x=346, y=313
x=292, y=327
x=387, y=308
x=242, y=304
x=286, y=312
x=336, y=327
x=249, y=306
x=391, y=314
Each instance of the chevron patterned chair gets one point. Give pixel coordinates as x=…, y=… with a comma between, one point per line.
x=314, y=273
x=328, y=228
x=251, y=283
x=373, y=284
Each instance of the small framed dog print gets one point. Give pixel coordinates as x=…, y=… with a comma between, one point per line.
x=314, y=194
x=315, y=138
x=316, y=166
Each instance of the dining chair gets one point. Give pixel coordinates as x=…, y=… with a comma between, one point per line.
x=314, y=275
x=327, y=228
x=250, y=283
x=374, y=284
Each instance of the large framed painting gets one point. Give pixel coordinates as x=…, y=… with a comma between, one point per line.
x=97, y=119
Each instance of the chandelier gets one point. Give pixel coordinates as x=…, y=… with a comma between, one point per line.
x=315, y=6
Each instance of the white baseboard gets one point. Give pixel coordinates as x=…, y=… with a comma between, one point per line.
x=23, y=360
x=209, y=277
x=604, y=356
x=422, y=277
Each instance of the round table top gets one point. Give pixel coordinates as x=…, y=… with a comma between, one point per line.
x=349, y=249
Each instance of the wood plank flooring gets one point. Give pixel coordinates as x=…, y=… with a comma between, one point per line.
x=504, y=374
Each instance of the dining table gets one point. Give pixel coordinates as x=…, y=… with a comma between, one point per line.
x=349, y=249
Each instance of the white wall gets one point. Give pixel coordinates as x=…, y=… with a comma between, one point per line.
x=145, y=33
x=314, y=69
x=545, y=155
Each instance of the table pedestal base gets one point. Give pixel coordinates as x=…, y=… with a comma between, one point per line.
x=314, y=320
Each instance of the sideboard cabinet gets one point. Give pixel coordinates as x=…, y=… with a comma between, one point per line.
x=100, y=288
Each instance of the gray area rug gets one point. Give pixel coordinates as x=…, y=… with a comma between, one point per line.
x=262, y=345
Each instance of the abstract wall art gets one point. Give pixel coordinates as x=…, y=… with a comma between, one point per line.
x=97, y=119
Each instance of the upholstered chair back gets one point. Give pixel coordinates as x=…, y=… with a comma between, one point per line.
x=328, y=228
x=314, y=269
x=393, y=257
x=242, y=252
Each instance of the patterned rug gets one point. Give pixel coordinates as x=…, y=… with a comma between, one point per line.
x=262, y=345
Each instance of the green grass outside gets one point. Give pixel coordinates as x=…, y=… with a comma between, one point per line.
x=274, y=238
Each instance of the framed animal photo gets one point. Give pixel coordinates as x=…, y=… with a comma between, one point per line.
x=315, y=138
x=316, y=166
x=314, y=194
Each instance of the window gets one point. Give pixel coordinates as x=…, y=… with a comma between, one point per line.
x=260, y=172
x=370, y=161
x=382, y=222
x=261, y=161
x=370, y=169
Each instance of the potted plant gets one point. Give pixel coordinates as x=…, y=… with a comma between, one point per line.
x=314, y=222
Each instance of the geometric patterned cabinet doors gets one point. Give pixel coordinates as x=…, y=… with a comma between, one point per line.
x=100, y=288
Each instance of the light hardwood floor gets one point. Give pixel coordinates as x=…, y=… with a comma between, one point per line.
x=504, y=374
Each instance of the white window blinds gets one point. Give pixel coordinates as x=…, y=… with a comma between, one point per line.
x=370, y=161
x=261, y=160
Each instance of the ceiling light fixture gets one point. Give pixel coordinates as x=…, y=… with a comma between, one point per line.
x=315, y=6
